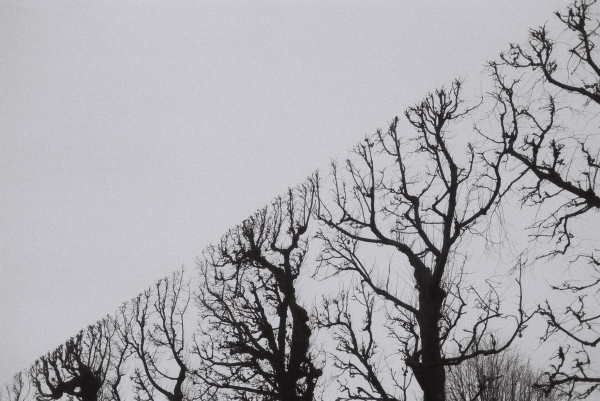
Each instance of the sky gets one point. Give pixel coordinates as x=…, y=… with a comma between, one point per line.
x=135, y=133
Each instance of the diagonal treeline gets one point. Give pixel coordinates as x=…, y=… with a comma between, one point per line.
x=375, y=280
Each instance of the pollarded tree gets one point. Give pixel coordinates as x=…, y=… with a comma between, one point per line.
x=153, y=327
x=419, y=198
x=548, y=96
x=560, y=160
x=79, y=368
x=257, y=345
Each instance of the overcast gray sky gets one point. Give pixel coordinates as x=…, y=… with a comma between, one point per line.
x=135, y=133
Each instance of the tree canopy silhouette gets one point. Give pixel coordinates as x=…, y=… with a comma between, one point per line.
x=420, y=197
x=542, y=89
x=258, y=343
x=393, y=297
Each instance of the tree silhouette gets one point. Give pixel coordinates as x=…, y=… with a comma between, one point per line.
x=541, y=88
x=397, y=220
x=79, y=368
x=121, y=352
x=421, y=210
x=153, y=326
x=17, y=390
x=501, y=377
x=358, y=352
x=257, y=343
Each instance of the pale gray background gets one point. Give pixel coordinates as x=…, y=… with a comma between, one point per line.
x=133, y=134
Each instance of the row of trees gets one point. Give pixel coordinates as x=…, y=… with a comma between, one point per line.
x=392, y=296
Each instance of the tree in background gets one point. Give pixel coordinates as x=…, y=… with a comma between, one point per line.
x=420, y=198
x=18, y=390
x=508, y=376
x=79, y=368
x=542, y=89
x=257, y=345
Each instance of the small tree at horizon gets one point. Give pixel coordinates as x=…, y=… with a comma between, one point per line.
x=79, y=368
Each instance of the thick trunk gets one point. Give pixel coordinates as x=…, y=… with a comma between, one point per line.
x=431, y=378
x=300, y=366
x=288, y=392
x=90, y=387
x=178, y=389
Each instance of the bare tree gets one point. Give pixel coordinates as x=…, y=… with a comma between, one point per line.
x=565, y=168
x=153, y=327
x=420, y=210
x=79, y=368
x=358, y=355
x=508, y=376
x=118, y=364
x=257, y=345
x=540, y=89
x=18, y=390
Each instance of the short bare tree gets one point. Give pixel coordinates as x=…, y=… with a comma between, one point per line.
x=79, y=368
x=153, y=327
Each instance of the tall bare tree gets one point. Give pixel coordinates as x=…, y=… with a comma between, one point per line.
x=420, y=198
x=541, y=89
x=257, y=345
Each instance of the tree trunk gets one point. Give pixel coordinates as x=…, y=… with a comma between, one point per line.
x=432, y=380
x=89, y=387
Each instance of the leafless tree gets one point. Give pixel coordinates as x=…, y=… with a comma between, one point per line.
x=358, y=355
x=257, y=345
x=79, y=368
x=420, y=198
x=17, y=390
x=153, y=326
x=508, y=376
x=121, y=352
x=540, y=89
x=564, y=167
